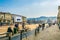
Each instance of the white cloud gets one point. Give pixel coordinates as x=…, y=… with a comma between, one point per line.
x=49, y=3
x=58, y=2
x=49, y=8
x=44, y=8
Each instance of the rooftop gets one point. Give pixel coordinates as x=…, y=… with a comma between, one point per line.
x=5, y=12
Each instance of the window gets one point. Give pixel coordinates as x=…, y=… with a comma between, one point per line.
x=18, y=19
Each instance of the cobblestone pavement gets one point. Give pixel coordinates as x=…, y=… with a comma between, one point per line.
x=51, y=33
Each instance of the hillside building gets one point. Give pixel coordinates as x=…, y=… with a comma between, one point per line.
x=5, y=18
x=18, y=18
x=8, y=18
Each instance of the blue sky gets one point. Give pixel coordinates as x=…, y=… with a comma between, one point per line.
x=30, y=8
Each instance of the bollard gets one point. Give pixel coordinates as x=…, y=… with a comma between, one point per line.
x=25, y=33
x=38, y=29
x=21, y=34
x=9, y=36
x=35, y=32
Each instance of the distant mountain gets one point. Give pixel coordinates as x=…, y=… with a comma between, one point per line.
x=42, y=18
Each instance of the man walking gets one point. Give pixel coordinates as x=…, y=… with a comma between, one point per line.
x=43, y=25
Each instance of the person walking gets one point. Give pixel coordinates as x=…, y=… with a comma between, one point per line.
x=38, y=28
x=23, y=24
x=16, y=28
x=43, y=25
x=39, y=25
x=9, y=30
x=59, y=26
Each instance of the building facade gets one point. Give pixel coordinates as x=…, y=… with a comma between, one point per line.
x=8, y=18
x=5, y=18
x=24, y=19
x=18, y=18
x=1, y=17
x=58, y=16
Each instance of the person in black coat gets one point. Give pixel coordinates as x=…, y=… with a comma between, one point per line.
x=9, y=29
x=16, y=28
x=38, y=28
x=43, y=25
x=16, y=25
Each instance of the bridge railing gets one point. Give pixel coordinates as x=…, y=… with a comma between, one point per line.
x=22, y=34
